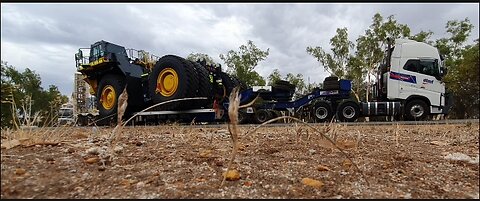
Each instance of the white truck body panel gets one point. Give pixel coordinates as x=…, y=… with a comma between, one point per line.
x=403, y=83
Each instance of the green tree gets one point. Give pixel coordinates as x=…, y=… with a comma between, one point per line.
x=423, y=36
x=459, y=61
x=371, y=46
x=242, y=63
x=335, y=63
x=274, y=76
x=200, y=56
x=23, y=93
x=463, y=82
x=299, y=83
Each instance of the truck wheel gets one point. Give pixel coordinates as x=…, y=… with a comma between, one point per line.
x=205, y=88
x=242, y=117
x=172, y=77
x=348, y=111
x=109, y=88
x=261, y=116
x=416, y=110
x=322, y=112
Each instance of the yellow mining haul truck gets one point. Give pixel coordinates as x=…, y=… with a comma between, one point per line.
x=109, y=68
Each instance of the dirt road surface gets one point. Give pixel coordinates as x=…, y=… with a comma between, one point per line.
x=172, y=161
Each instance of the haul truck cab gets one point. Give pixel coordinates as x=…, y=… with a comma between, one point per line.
x=412, y=74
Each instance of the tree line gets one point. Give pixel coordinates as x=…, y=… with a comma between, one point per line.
x=24, y=101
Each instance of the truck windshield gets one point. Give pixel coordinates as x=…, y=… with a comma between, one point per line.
x=65, y=113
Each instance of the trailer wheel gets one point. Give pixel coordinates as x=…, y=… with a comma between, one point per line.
x=416, y=110
x=348, y=111
x=261, y=116
x=172, y=78
x=322, y=112
x=109, y=88
x=242, y=117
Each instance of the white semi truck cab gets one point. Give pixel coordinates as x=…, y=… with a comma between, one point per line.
x=411, y=77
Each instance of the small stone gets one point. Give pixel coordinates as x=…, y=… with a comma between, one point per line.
x=219, y=163
x=347, y=163
x=312, y=151
x=101, y=168
x=138, y=143
x=322, y=168
x=20, y=171
x=140, y=184
x=232, y=175
x=247, y=183
x=92, y=160
x=336, y=197
x=118, y=149
x=93, y=151
x=312, y=182
x=438, y=143
x=73, y=171
x=38, y=145
x=206, y=153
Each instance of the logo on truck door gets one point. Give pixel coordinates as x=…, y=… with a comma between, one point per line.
x=403, y=77
x=427, y=81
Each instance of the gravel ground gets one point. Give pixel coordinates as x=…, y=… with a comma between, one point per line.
x=172, y=161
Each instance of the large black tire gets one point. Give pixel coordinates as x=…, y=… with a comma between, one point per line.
x=331, y=78
x=205, y=88
x=348, y=111
x=331, y=85
x=109, y=89
x=186, y=86
x=416, y=110
x=261, y=116
x=322, y=112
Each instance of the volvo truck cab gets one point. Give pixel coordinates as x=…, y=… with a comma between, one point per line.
x=412, y=73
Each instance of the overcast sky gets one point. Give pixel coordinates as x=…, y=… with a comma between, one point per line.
x=45, y=37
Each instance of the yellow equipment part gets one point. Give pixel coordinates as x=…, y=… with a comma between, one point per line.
x=98, y=61
x=108, y=97
x=167, y=82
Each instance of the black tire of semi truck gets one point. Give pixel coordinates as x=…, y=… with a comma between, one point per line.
x=331, y=78
x=322, y=111
x=109, y=89
x=416, y=110
x=331, y=86
x=261, y=116
x=179, y=70
x=205, y=88
x=348, y=111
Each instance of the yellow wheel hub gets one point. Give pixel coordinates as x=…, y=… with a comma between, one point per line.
x=108, y=97
x=167, y=82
